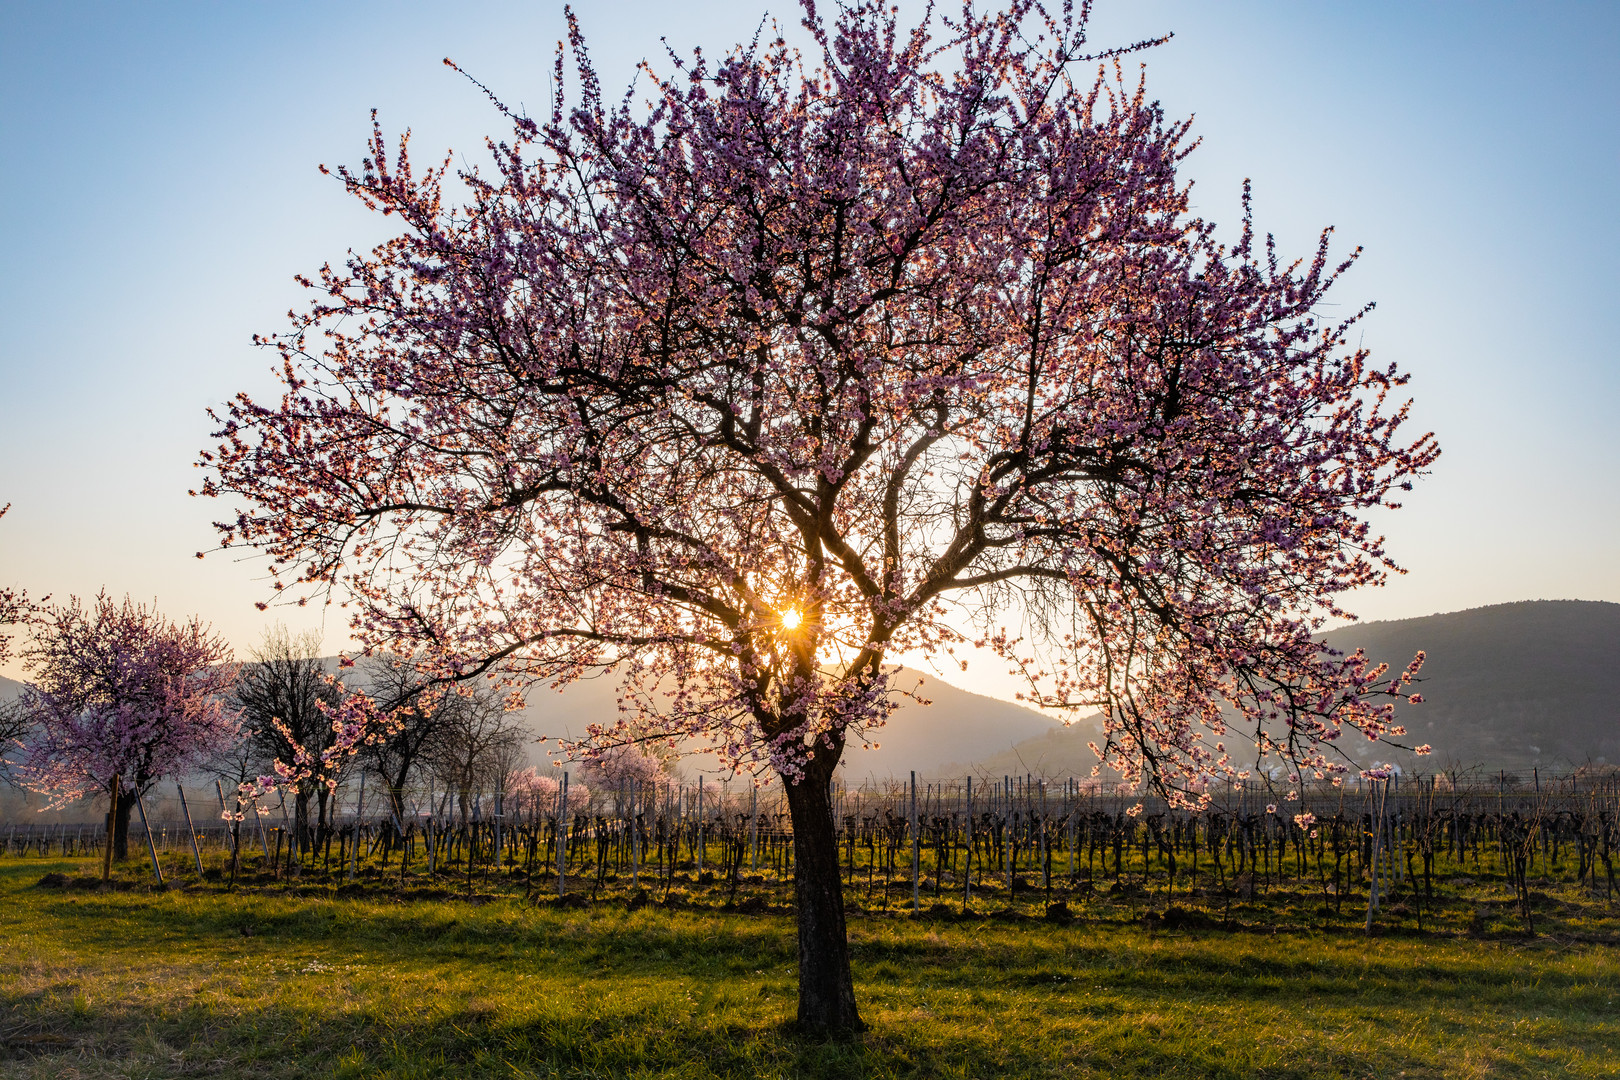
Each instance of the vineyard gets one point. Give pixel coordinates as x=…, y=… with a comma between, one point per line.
x=1020, y=845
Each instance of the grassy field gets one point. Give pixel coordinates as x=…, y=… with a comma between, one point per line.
x=196, y=982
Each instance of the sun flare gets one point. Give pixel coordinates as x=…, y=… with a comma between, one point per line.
x=791, y=619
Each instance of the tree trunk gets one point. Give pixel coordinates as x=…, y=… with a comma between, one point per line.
x=120, y=825
x=323, y=800
x=826, y=987
x=396, y=794
x=301, y=816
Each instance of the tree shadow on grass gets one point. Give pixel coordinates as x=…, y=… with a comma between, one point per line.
x=171, y=984
x=484, y=1040
x=47, y=1037
x=644, y=1039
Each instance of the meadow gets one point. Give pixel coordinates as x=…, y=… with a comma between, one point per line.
x=321, y=978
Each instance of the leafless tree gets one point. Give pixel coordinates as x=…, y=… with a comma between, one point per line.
x=478, y=748
x=427, y=724
x=279, y=693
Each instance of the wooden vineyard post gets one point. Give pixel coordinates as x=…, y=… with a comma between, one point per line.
x=1046, y=863
x=916, y=849
x=295, y=842
x=472, y=835
x=699, y=871
x=500, y=805
x=147, y=828
x=1501, y=794
x=753, y=828
x=359, y=808
x=286, y=827
x=562, y=835
x=1397, y=868
x=1010, y=833
x=1378, y=835
x=191, y=830
x=236, y=827
x=399, y=830
x=258, y=819
x=635, y=833
x=112, y=816
x=967, y=856
x=432, y=834
x=1071, y=794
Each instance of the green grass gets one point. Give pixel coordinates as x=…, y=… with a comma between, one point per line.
x=197, y=982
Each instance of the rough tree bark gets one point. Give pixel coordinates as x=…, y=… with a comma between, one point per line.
x=118, y=823
x=826, y=985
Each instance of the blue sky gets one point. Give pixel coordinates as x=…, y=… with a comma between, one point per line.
x=160, y=189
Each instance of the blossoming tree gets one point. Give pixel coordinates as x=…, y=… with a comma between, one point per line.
x=14, y=721
x=14, y=609
x=119, y=692
x=543, y=792
x=627, y=768
x=748, y=386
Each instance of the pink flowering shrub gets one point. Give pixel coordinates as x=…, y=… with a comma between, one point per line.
x=621, y=766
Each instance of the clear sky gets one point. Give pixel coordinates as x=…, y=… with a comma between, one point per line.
x=160, y=189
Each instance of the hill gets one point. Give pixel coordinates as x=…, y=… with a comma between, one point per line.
x=1510, y=686
x=956, y=726
x=1534, y=684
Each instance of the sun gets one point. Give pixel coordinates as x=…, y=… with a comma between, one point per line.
x=791, y=619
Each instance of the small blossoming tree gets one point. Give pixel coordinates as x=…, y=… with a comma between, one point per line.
x=804, y=365
x=627, y=767
x=14, y=720
x=14, y=609
x=120, y=692
x=284, y=698
x=542, y=793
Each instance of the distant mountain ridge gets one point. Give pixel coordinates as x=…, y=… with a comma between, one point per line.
x=1533, y=684
x=1509, y=686
x=956, y=726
